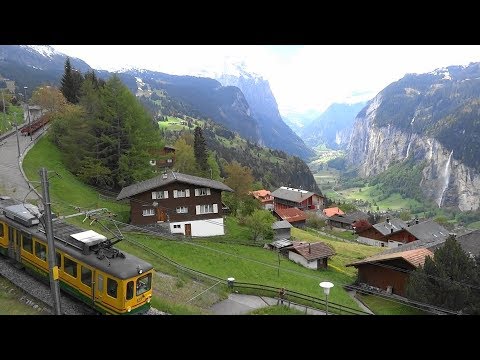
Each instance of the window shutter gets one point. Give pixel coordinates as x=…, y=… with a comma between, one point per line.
x=197, y=191
x=175, y=193
x=208, y=191
x=165, y=194
x=187, y=192
x=154, y=194
x=197, y=209
x=215, y=208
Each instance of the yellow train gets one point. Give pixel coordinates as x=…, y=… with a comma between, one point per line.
x=89, y=267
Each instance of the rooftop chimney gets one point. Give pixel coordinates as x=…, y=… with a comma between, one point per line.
x=391, y=230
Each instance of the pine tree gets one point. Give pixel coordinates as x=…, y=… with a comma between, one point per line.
x=200, y=149
x=71, y=83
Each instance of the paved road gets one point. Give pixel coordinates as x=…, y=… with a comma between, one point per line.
x=12, y=182
x=238, y=304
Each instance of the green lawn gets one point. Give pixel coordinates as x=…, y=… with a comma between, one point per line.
x=15, y=114
x=10, y=303
x=346, y=252
x=381, y=306
x=66, y=191
x=276, y=310
x=173, y=123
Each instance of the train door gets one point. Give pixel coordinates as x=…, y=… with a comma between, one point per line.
x=17, y=246
x=98, y=292
x=11, y=242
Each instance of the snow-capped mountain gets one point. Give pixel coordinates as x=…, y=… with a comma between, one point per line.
x=274, y=133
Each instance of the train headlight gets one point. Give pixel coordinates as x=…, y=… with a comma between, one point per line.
x=129, y=309
x=148, y=300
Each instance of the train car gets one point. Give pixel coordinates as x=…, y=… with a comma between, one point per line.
x=89, y=267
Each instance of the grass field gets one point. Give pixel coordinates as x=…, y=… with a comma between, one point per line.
x=381, y=306
x=9, y=300
x=475, y=225
x=15, y=114
x=370, y=194
x=173, y=123
x=276, y=310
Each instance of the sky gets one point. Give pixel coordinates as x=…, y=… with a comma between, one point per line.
x=303, y=78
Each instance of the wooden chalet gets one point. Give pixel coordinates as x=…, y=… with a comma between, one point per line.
x=191, y=205
x=285, y=198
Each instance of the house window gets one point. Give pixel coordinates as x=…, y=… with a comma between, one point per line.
x=182, y=210
x=181, y=193
x=148, y=212
x=160, y=194
x=176, y=226
x=202, y=191
x=207, y=209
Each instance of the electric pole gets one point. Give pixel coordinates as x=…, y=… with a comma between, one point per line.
x=16, y=131
x=52, y=266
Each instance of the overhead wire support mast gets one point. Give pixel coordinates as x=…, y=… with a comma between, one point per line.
x=53, y=268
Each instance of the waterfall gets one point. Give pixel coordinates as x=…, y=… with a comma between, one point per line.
x=408, y=148
x=446, y=179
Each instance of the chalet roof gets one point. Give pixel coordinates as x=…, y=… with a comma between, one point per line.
x=386, y=227
x=282, y=224
x=349, y=218
x=470, y=242
x=428, y=230
x=261, y=193
x=414, y=257
x=291, y=194
x=170, y=177
x=312, y=251
x=279, y=244
x=291, y=214
x=333, y=211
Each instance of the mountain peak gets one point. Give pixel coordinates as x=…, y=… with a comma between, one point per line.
x=44, y=50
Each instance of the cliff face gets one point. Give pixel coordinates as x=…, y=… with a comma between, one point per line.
x=273, y=131
x=445, y=180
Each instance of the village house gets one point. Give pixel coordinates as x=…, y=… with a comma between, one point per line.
x=285, y=198
x=190, y=205
x=265, y=197
x=345, y=221
x=390, y=270
x=311, y=255
x=328, y=212
x=396, y=232
x=164, y=158
x=281, y=230
x=294, y=216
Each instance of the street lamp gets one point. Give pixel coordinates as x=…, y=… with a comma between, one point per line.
x=28, y=111
x=326, y=285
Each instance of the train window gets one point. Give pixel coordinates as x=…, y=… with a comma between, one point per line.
x=40, y=251
x=144, y=284
x=86, y=276
x=1, y=230
x=27, y=243
x=112, y=287
x=58, y=259
x=70, y=267
x=129, y=290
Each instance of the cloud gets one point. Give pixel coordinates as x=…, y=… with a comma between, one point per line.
x=301, y=77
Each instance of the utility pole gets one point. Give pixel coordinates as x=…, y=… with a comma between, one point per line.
x=18, y=141
x=53, y=268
